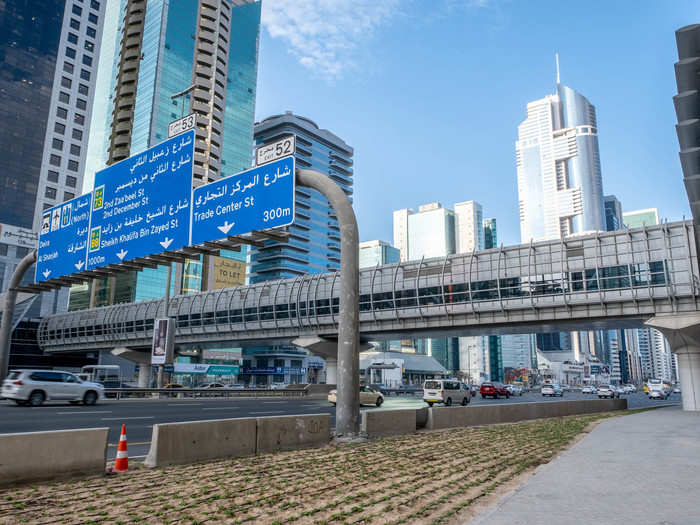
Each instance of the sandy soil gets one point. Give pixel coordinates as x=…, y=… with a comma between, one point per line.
x=433, y=477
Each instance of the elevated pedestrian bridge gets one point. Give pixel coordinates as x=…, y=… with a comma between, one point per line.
x=597, y=281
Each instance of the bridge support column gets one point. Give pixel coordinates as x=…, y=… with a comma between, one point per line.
x=331, y=371
x=143, y=359
x=683, y=334
x=145, y=371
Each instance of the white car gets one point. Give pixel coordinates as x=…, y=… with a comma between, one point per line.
x=552, y=389
x=33, y=387
x=446, y=391
x=657, y=394
x=608, y=391
x=588, y=390
x=367, y=397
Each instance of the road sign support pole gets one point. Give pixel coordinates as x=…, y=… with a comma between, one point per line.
x=166, y=315
x=347, y=412
x=9, y=311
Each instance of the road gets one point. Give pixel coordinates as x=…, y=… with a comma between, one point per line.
x=140, y=415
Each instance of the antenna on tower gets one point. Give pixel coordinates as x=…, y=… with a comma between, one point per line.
x=556, y=58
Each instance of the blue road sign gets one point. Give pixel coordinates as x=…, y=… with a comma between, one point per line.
x=141, y=205
x=63, y=239
x=256, y=199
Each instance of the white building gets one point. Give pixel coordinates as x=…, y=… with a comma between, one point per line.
x=401, y=231
x=469, y=229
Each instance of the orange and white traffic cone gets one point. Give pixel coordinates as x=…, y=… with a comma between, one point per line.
x=121, y=463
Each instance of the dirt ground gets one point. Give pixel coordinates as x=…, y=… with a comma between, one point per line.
x=432, y=477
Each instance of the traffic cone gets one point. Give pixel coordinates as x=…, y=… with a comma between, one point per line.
x=121, y=463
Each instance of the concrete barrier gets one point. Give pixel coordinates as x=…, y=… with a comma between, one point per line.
x=292, y=432
x=421, y=417
x=382, y=423
x=173, y=443
x=31, y=456
x=449, y=417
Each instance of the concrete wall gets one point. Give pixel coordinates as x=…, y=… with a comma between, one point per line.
x=448, y=417
x=389, y=422
x=33, y=456
x=292, y=432
x=192, y=441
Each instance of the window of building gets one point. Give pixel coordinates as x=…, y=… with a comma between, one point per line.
x=3, y=248
x=70, y=52
x=77, y=134
x=89, y=46
x=72, y=38
x=68, y=195
x=74, y=150
x=83, y=89
x=92, y=18
x=71, y=181
x=67, y=67
x=79, y=119
x=91, y=32
x=21, y=251
x=66, y=82
x=64, y=97
x=61, y=112
x=50, y=192
x=52, y=176
x=74, y=23
x=73, y=165
x=87, y=60
x=77, y=10
x=95, y=5
x=57, y=144
x=55, y=160
x=45, y=206
x=84, y=74
x=59, y=128
x=81, y=103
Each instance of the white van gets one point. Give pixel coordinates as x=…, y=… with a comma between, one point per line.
x=447, y=391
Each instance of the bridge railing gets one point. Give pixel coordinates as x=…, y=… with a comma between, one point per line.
x=122, y=393
x=642, y=266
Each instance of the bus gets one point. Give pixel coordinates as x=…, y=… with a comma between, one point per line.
x=109, y=376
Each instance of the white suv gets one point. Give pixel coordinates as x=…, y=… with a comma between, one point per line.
x=33, y=387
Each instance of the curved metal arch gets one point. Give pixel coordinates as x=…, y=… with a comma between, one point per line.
x=531, y=251
x=420, y=267
x=243, y=313
x=202, y=310
x=561, y=260
x=138, y=316
x=598, y=262
x=469, y=281
x=146, y=316
x=109, y=327
x=289, y=301
x=308, y=303
x=321, y=276
x=219, y=295
x=633, y=290
x=189, y=313
x=300, y=324
x=239, y=291
x=691, y=275
x=668, y=276
x=498, y=281
x=393, y=289
x=371, y=291
x=266, y=284
x=335, y=276
x=274, y=302
x=442, y=285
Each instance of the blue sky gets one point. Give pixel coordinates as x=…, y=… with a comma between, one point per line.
x=430, y=93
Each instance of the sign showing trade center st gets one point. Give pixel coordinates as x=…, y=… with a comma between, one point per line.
x=146, y=206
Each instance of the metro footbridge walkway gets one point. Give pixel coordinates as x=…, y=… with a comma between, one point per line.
x=603, y=280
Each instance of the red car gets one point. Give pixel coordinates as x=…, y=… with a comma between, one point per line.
x=494, y=389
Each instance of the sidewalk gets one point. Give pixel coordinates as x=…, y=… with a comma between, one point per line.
x=642, y=468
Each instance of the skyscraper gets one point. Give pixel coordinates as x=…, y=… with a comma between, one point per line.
x=373, y=253
x=558, y=165
x=401, y=232
x=48, y=57
x=205, y=50
x=641, y=218
x=469, y=228
x=613, y=213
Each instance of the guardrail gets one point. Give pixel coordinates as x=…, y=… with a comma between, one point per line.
x=121, y=393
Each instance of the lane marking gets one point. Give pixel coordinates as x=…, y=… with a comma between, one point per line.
x=126, y=418
x=85, y=412
x=268, y=412
x=222, y=408
x=185, y=403
x=273, y=402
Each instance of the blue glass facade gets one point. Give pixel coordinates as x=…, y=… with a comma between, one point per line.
x=166, y=68
x=314, y=242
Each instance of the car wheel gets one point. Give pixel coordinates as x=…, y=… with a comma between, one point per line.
x=379, y=401
x=465, y=401
x=90, y=398
x=483, y=396
x=448, y=402
x=430, y=404
x=20, y=402
x=333, y=404
x=37, y=398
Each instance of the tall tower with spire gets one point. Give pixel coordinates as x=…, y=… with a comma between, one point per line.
x=560, y=188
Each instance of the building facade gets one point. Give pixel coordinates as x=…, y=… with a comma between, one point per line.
x=206, y=51
x=469, y=227
x=558, y=166
x=373, y=253
x=641, y=218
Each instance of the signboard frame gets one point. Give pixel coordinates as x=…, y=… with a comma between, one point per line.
x=163, y=345
x=279, y=149
x=181, y=125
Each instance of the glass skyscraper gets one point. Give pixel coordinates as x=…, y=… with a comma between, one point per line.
x=210, y=49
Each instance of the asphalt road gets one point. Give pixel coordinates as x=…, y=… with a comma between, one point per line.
x=140, y=415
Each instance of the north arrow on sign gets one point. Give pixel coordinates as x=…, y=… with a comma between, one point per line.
x=79, y=265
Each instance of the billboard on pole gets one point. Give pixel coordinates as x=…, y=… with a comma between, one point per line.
x=163, y=342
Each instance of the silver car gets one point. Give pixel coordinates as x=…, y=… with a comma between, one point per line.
x=33, y=387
